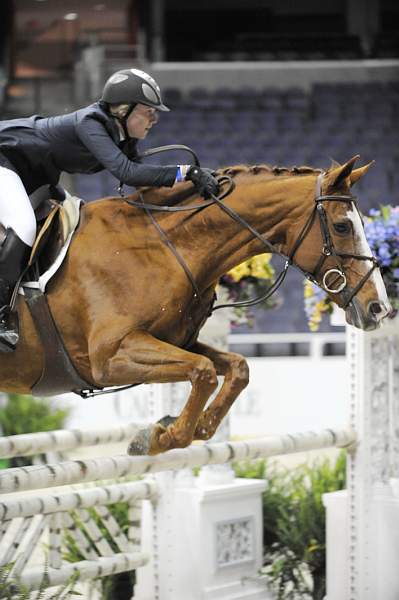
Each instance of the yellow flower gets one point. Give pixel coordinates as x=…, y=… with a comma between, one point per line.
x=321, y=307
x=258, y=267
x=308, y=289
x=239, y=272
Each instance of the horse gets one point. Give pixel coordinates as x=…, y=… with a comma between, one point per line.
x=129, y=310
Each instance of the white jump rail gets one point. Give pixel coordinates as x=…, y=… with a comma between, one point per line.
x=87, y=570
x=49, y=511
x=144, y=547
x=59, y=440
x=78, y=471
x=52, y=503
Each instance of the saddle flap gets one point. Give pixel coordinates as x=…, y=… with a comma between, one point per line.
x=44, y=234
x=53, y=239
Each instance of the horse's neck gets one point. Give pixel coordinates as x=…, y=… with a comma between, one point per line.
x=270, y=205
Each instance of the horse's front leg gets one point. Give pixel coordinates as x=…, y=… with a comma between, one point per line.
x=234, y=367
x=141, y=358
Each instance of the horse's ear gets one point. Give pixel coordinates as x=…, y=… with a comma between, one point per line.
x=334, y=163
x=358, y=173
x=338, y=175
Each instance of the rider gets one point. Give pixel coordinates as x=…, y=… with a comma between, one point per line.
x=104, y=135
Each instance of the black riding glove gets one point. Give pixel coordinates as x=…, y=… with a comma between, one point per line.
x=204, y=181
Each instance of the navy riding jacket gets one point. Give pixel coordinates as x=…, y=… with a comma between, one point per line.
x=85, y=141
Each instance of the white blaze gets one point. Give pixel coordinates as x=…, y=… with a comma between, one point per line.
x=362, y=247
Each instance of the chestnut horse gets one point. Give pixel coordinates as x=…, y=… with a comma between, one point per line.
x=129, y=314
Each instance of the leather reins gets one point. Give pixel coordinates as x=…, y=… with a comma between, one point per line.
x=337, y=274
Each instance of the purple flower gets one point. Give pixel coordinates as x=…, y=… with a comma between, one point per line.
x=384, y=255
x=374, y=212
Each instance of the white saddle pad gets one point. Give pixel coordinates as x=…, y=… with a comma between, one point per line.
x=70, y=213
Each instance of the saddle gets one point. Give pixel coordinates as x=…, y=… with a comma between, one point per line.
x=48, y=253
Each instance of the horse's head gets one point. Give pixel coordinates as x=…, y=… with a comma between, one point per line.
x=333, y=249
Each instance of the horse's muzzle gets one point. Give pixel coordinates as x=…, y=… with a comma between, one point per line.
x=368, y=319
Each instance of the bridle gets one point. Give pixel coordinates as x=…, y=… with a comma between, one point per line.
x=336, y=274
x=334, y=279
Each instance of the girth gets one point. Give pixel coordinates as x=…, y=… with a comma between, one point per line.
x=59, y=374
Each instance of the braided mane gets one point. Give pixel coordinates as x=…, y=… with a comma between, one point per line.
x=268, y=169
x=184, y=191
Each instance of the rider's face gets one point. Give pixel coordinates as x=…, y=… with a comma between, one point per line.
x=140, y=121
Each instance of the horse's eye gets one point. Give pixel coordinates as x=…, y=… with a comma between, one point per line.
x=343, y=228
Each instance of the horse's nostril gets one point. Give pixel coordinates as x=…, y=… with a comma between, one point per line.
x=375, y=308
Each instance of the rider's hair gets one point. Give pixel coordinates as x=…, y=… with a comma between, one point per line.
x=119, y=110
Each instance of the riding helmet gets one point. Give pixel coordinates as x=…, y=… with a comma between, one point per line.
x=133, y=86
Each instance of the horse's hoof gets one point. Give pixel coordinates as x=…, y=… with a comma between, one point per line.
x=141, y=443
x=166, y=421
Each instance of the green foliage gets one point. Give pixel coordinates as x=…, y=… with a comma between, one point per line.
x=26, y=414
x=294, y=524
x=120, y=585
x=12, y=589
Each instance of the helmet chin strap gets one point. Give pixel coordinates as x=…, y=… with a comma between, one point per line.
x=123, y=120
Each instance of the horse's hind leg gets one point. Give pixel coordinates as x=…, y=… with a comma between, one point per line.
x=142, y=358
x=235, y=370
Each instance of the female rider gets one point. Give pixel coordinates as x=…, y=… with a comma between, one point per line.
x=35, y=150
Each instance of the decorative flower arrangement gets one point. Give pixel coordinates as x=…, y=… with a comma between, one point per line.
x=317, y=303
x=248, y=280
x=382, y=232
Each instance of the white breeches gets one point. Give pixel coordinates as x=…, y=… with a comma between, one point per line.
x=15, y=207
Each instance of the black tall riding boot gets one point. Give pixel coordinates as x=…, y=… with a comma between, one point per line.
x=14, y=255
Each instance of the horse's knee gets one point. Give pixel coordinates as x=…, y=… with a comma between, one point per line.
x=240, y=372
x=204, y=374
